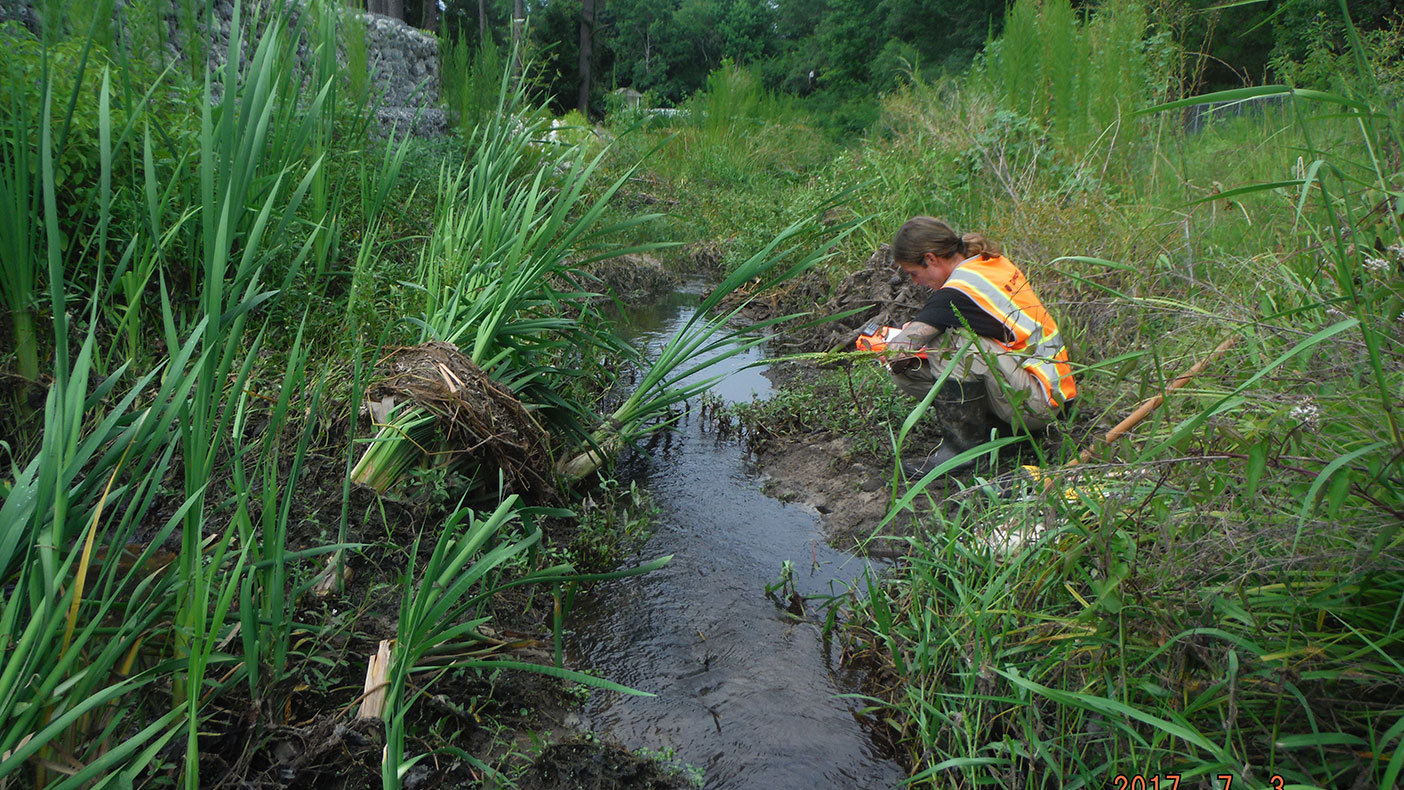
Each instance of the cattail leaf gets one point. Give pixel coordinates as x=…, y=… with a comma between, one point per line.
x=1257, y=464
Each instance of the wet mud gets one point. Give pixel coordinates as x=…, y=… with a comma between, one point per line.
x=846, y=487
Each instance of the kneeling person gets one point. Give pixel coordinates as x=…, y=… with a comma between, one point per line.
x=1029, y=382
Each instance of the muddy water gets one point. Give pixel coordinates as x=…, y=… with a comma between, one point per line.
x=744, y=691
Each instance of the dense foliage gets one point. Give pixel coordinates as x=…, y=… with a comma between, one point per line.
x=843, y=52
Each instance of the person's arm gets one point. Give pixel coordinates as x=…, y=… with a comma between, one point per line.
x=914, y=335
x=947, y=308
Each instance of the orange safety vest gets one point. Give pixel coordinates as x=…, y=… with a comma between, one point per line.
x=998, y=287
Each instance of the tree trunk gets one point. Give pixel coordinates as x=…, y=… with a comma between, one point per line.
x=392, y=8
x=429, y=15
x=587, y=47
x=518, y=29
x=482, y=21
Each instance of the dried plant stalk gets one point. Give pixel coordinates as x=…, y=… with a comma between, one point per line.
x=377, y=681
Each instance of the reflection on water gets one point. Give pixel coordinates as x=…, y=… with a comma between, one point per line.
x=744, y=691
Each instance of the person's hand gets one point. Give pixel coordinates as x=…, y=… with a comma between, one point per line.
x=904, y=363
x=913, y=337
x=900, y=357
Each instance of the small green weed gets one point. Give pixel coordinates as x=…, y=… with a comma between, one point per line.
x=667, y=760
x=613, y=521
x=855, y=398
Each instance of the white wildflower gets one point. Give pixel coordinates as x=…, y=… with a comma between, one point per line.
x=1307, y=413
x=1376, y=264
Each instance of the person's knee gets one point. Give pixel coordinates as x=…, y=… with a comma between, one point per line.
x=914, y=387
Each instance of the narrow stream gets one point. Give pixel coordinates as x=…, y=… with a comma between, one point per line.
x=744, y=691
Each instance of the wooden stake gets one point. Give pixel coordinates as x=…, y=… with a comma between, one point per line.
x=377, y=671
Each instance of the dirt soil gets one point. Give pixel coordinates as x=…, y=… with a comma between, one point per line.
x=877, y=292
x=851, y=495
x=590, y=765
x=849, y=486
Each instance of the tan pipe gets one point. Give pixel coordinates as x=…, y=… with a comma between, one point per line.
x=1151, y=404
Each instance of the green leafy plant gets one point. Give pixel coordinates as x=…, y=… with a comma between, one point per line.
x=442, y=614
x=706, y=339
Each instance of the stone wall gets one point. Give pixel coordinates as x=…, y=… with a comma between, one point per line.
x=407, y=60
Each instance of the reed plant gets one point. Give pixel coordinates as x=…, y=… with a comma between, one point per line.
x=710, y=336
x=93, y=593
x=20, y=263
x=244, y=161
x=443, y=614
x=501, y=276
x=472, y=81
x=1084, y=80
x=87, y=581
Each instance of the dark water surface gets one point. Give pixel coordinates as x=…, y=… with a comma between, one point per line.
x=745, y=692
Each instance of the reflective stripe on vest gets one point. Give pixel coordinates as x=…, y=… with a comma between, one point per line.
x=998, y=287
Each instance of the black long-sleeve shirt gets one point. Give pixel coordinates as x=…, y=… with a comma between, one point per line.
x=947, y=306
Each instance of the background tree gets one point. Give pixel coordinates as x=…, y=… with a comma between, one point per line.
x=587, y=50
x=843, y=53
x=390, y=8
x=632, y=29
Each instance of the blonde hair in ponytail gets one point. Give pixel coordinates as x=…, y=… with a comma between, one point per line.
x=920, y=235
x=977, y=244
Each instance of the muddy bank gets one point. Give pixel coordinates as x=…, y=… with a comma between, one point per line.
x=843, y=486
x=633, y=279
x=848, y=479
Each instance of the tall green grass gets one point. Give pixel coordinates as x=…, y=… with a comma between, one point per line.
x=98, y=608
x=442, y=615
x=72, y=512
x=471, y=82
x=147, y=563
x=1084, y=80
x=1219, y=595
x=19, y=233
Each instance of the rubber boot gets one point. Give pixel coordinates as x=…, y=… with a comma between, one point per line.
x=961, y=411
